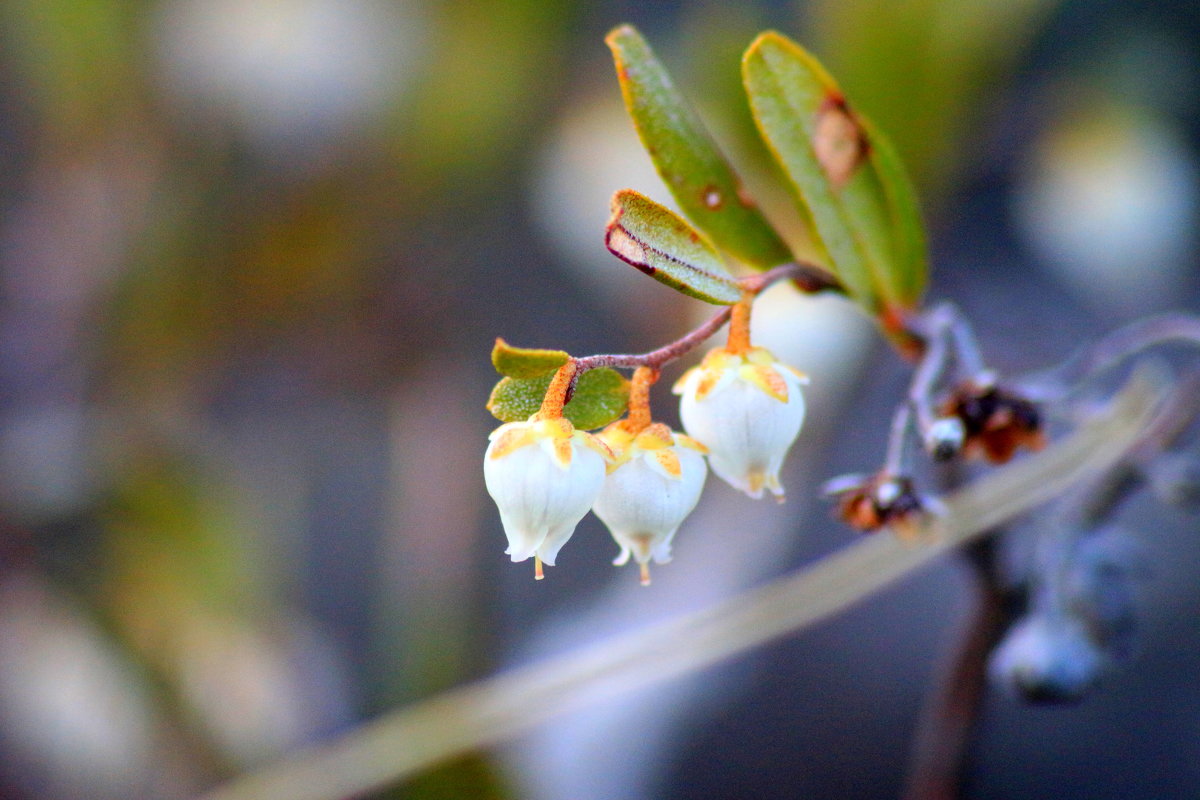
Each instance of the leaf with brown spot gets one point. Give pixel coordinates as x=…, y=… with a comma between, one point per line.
x=660, y=243
x=846, y=178
x=839, y=142
x=695, y=170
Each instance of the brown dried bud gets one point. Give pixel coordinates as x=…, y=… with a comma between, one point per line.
x=997, y=422
x=868, y=503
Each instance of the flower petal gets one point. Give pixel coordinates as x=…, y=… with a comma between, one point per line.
x=767, y=379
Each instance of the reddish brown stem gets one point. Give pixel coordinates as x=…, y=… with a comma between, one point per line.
x=949, y=721
x=808, y=278
x=655, y=359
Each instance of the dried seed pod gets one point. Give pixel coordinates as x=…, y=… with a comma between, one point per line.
x=868, y=503
x=996, y=421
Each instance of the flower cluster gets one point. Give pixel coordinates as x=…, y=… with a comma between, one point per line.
x=741, y=409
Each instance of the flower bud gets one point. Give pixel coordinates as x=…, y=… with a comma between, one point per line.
x=747, y=409
x=945, y=438
x=1048, y=658
x=654, y=484
x=544, y=476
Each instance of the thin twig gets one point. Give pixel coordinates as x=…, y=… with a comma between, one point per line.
x=809, y=277
x=893, y=462
x=1116, y=348
x=655, y=359
x=942, y=326
x=924, y=381
x=1094, y=503
x=949, y=722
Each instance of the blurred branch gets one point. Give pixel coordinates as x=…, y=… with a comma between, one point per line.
x=407, y=741
x=949, y=722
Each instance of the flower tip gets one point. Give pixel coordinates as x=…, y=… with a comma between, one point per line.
x=538, y=572
x=645, y=571
x=776, y=489
x=517, y=555
x=757, y=483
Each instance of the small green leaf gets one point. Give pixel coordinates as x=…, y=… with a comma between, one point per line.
x=521, y=362
x=848, y=180
x=601, y=396
x=661, y=244
x=689, y=161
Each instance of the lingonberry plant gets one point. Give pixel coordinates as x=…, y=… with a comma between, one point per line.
x=742, y=409
x=1050, y=632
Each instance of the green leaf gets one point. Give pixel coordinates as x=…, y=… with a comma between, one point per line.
x=661, y=244
x=521, y=362
x=908, y=278
x=694, y=169
x=601, y=396
x=846, y=177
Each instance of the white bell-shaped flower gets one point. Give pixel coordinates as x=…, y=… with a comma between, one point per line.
x=544, y=476
x=747, y=409
x=654, y=484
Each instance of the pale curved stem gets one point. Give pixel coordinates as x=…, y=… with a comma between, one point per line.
x=1114, y=349
x=404, y=742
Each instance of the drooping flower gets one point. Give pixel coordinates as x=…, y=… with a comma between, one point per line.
x=747, y=409
x=544, y=476
x=652, y=486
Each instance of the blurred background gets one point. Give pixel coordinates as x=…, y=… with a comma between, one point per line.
x=253, y=255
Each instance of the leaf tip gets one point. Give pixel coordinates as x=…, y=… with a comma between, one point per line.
x=492, y=404
x=498, y=347
x=619, y=241
x=619, y=31
x=772, y=37
x=622, y=245
x=620, y=39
